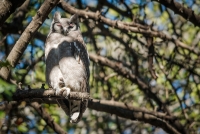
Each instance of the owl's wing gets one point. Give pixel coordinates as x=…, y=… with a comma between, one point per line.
x=53, y=73
x=81, y=54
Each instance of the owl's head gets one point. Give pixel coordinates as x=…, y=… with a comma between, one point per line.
x=64, y=25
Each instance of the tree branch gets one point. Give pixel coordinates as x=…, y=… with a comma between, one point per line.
x=44, y=114
x=133, y=27
x=48, y=119
x=125, y=72
x=186, y=13
x=120, y=109
x=133, y=113
x=16, y=25
x=151, y=56
x=41, y=93
x=7, y=7
x=27, y=35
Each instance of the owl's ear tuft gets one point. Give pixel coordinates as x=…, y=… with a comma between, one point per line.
x=57, y=16
x=74, y=18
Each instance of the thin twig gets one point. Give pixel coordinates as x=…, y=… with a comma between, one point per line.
x=151, y=56
x=178, y=8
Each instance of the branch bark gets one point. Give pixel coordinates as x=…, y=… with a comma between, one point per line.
x=186, y=13
x=48, y=119
x=132, y=27
x=133, y=113
x=42, y=112
x=27, y=35
x=16, y=25
x=41, y=93
x=7, y=7
x=125, y=72
x=118, y=108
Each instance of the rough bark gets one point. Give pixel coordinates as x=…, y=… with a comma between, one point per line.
x=33, y=93
x=130, y=27
x=7, y=7
x=118, y=108
x=27, y=35
x=128, y=112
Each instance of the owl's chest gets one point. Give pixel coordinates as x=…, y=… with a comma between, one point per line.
x=51, y=50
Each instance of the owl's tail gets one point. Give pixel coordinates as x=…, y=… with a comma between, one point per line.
x=73, y=108
x=75, y=111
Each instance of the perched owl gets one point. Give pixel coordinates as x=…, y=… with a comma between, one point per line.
x=67, y=63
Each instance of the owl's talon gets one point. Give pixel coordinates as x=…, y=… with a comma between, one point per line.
x=62, y=90
x=68, y=91
x=57, y=92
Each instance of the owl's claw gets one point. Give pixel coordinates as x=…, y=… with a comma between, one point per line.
x=62, y=88
x=68, y=91
x=61, y=91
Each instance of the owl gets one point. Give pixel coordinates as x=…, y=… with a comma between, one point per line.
x=67, y=63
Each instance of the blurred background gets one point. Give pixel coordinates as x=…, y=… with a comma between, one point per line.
x=176, y=66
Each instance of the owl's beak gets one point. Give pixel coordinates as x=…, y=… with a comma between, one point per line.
x=66, y=31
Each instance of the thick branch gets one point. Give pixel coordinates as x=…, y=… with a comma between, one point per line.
x=16, y=25
x=7, y=7
x=35, y=93
x=186, y=13
x=129, y=112
x=120, y=109
x=120, y=69
x=125, y=26
x=27, y=35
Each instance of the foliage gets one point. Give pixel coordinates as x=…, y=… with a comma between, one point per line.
x=176, y=65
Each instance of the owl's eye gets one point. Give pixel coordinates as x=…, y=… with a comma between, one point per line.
x=71, y=25
x=58, y=24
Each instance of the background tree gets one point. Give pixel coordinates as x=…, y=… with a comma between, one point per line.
x=145, y=66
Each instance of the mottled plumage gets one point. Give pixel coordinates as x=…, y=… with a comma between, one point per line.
x=67, y=63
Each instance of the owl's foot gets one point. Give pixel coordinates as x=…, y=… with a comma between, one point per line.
x=62, y=90
x=68, y=91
